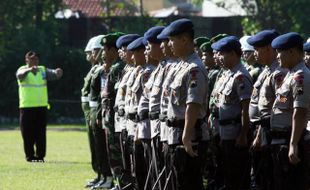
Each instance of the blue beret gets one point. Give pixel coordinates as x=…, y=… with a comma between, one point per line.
x=126, y=39
x=307, y=47
x=228, y=43
x=136, y=44
x=287, y=41
x=151, y=34
x=179, y=26
x=163, y=35
x=263, y=38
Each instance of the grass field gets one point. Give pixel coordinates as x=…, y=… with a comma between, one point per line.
x=67, y=165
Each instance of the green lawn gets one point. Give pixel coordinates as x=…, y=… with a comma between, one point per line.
x=67, y=165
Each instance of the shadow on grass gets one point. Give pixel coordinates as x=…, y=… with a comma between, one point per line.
x=52, y=128
x=64, y=162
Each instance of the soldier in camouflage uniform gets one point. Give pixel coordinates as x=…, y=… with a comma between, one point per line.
x=249, y=59
x=208, y=60
x=96, y=126
x=85, y=107
x=110, y=76
x=198, y=42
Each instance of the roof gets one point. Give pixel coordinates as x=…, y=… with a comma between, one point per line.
x=89, y=8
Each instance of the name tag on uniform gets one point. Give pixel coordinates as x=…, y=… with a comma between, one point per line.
x=254, y=93
x=282, y=99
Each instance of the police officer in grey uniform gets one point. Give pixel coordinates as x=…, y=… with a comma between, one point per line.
x=262, y=99
x=307, y=53
x=85, y=107
x=150, y=101
x=233, y=114
x=142, y=74
x=119, y=106
x=214, y=163
x=289, y=117
x=187, y=104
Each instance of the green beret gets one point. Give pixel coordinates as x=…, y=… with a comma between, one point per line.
x=200, y=40
x=111, y=38
x=205, y=47
x=218, y=37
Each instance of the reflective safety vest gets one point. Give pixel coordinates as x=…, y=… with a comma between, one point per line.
x=32, y=89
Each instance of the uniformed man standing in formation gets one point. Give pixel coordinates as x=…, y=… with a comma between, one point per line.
x=262, y=99
x=234, y=98
x=289, y=117
x=307, y=53
x=86, y=109
x=249, y=59
x=158, y=110
x=187, y=104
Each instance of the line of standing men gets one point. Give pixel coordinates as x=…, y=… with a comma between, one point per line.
x=158, y=112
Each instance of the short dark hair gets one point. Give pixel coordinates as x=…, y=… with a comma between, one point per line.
x=31, y=54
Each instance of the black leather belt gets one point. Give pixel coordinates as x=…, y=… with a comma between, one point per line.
x=154, y=115
x=280, y=134
x=142, y=116
x=264, y=122
x=215, y=115
x=163, y=117
x=132, y=116
x=136, y=118
x=181, y=122
x=230, y=121
x=121, y=112
x=115, y=108
x=175, y=123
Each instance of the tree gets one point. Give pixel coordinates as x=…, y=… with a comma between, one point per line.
x=282, y=15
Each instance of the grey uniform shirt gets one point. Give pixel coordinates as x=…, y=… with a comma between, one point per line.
x=267, y=92
x=138, y=107
x=155, y=96
x=294, y=93
x=164, y=98
x=130, y=125
x=214, y=101
x=190, y=85
x=237, y=88
x=263, y=93
x=120, y=121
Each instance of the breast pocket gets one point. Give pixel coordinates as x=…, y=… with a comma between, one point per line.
x=283, y=100
x=227, y=94
x=175, y=88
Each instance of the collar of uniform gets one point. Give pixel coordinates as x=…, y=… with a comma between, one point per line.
x=191, y=57
x=236, y=68
x=163, y=62
x=298, y=66
x=148, y=66
x=274, y=65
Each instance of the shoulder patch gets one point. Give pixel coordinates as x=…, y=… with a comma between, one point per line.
x=279, y=78
x=194, y=73
x=299, y=78
x=146, y=76
x=240, y=77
